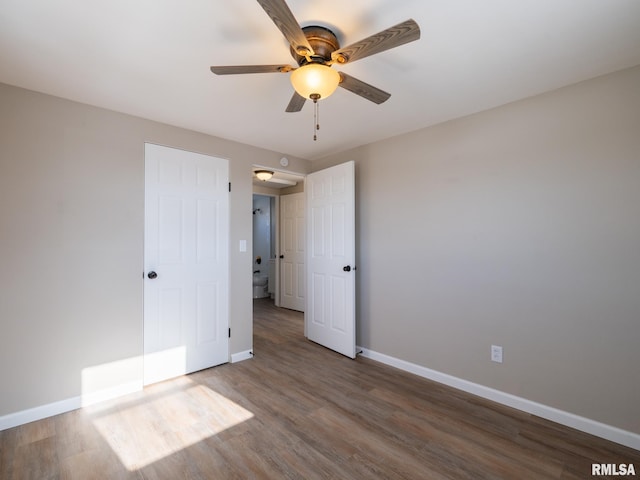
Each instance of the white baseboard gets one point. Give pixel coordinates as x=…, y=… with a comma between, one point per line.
x=240, y=356
x=111, y=393
x=43, y=411
x=49, y=410
x=583, y=424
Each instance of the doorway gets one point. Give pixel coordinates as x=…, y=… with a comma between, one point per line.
x=264, y=246
x=329, y=245
x=272, y=237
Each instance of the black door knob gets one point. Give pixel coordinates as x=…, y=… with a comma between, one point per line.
x=347, y=268
x=152, y=275
x=281, y=256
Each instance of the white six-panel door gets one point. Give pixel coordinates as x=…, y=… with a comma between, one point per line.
x=186, y=262
x=292, y=251
x=330, y=309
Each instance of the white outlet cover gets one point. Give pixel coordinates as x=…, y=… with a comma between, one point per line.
x=496, y=353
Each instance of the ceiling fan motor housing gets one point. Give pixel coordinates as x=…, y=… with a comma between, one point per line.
x=323, y=42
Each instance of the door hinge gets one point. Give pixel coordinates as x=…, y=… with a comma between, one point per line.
x=229, y=186
x=229, y=332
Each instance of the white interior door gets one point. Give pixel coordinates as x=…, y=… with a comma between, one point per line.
x=186, y=249
x=330, y=310
x=292, y=251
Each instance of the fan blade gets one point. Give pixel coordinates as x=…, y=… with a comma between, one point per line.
x=279, y=12
x=363, y=89
x=238, y=69
x=392, y=37
x=296, y=103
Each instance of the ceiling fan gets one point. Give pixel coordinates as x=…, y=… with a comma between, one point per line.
x=315, y=49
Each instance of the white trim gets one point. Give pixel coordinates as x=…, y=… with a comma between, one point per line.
x=240, y=356
x=63, y=406
x=38, y=413
x=587, y=425
x=111, y=393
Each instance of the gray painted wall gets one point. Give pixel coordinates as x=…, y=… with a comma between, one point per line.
x=520, y=227
x=72, y=223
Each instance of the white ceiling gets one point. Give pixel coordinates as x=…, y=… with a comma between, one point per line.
x=151, y=58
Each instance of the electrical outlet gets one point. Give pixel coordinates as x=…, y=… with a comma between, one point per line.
x=496, y=353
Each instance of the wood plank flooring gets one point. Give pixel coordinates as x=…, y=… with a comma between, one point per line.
x=298, y=410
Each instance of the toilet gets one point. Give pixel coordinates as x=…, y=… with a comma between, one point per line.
x=260, y=285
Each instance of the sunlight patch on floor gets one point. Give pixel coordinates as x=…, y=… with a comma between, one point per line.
x=168, y=418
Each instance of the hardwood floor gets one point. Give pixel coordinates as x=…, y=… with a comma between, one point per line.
x=298, y=410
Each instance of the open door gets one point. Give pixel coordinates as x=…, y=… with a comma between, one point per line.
x=292, y=251
x=330, y=313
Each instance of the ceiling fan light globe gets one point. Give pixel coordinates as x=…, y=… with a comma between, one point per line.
x=315, y=79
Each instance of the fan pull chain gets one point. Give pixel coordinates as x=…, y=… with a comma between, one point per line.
x=315, y=121
x=316, y=115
